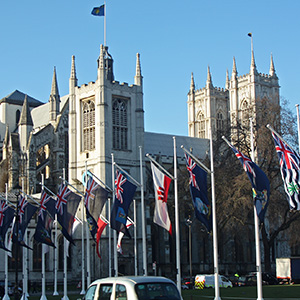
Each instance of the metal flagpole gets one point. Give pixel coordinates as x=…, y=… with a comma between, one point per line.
x=43, y=296
x=115, y=234
x=6, y=296
x=298, y=122
x=109, y=240
x=104, y=23
x=135, y=249
x=143, y=216
x=82, y=246
x=55, y=292
x=65, y=297
x=178, y=271
x=88, y=254
x=256, y=224
x=25, y=262
x=214, y=219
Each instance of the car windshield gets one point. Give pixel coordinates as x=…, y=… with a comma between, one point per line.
x=153, y=291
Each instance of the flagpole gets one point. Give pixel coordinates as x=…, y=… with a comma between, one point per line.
x=109, y=240
x=55, y=292
x=298, y=123
x=43, y=296
x=6, y=296
x=88, y=264
x=115, y=233
x=104, y=23
x=178, y=271
x=135, y=252
x=214, y=219
x=256, y=224
x=25, y=263
x=82, y=247
x=143, y=216
x=65, y=297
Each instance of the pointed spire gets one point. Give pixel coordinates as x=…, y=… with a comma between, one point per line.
x=54, y=87
x=192, y=86
x=25, y=118
x=138, y=74
x=54, y=98
x=234, y=70
x=227, y=80
x=208, y=80
x=272, y=71
x=73, y=71
x=253, y=65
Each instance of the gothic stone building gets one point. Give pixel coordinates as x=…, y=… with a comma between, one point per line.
x=95, y=120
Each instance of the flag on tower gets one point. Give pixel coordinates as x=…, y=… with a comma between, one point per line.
x=94, y=200
x=66, y=206
x=124, y=192
x=161, y=189
x=289, y=161
x=98, y=11
x=6, y=217
x=198, y=190
x=259, y=181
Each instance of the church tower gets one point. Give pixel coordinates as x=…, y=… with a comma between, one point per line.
x=105, y=117
x=213, y=107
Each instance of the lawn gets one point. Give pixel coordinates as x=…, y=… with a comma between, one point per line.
x=271, y=291
x=245, y=293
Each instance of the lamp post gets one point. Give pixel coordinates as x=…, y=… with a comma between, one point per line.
x=189, y=223
x=16, y=291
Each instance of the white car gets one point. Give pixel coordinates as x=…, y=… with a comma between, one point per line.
x=133, y=288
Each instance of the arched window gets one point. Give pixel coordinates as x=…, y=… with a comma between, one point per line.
x=201, y=125
x=120, y=124
x=220, y=121
x=18, y=114
x=88, y=125
x=245, y=113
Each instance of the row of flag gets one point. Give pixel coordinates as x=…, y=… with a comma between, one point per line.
x=65, y=204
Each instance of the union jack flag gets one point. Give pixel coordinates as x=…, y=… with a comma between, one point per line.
x=62, y=195
x=3, y=208
x=119, y=181
x=289, y=161
x=91, y=187
x=124, y=192
x=44, y=199
x=22, y=204
x=66, y=206
x=191, y=165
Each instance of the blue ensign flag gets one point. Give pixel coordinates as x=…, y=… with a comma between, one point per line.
x=198, y=189
x=259, y=181
x=98, y=11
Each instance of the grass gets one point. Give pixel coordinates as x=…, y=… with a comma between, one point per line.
x=271, y=291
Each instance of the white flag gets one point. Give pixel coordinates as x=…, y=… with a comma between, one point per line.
x=161, y=188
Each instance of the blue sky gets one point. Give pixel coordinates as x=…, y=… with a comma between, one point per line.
x=174, y=38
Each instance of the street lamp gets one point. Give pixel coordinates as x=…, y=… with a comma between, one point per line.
x=16, y=291
x=189, y=223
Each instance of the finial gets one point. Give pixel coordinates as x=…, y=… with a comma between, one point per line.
x=272, y=68
x=227, y=80
x=192, y=86
x=54, y=87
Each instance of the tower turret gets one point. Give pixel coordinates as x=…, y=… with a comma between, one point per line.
x=208, y=80
x=54, y=98
x=227, y=80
